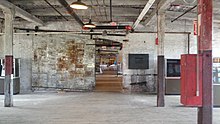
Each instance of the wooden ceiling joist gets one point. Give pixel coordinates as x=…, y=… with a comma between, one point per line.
x=163, y=4
x=20, y=12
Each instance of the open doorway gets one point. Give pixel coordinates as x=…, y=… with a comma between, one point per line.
x=108, y=65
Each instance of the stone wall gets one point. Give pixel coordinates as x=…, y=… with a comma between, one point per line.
x=54, y=61
x=63, y=61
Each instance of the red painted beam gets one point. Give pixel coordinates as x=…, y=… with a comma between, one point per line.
x=205, y=11
x=8, y=65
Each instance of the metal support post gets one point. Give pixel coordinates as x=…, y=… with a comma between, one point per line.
x=205, y=7
x=161, y=59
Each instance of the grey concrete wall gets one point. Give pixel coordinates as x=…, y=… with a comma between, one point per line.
x=144, y=43
x=1, y=47
x=23, y=50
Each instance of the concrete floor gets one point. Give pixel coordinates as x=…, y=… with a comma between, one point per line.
x=96, y=108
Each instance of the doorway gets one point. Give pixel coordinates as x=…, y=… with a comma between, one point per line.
x=108, y=66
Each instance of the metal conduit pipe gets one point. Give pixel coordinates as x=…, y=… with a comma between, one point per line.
x=56, y=10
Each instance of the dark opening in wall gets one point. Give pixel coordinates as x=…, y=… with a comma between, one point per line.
x=138, y=61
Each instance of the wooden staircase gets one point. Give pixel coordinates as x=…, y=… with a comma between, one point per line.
x=108, y=83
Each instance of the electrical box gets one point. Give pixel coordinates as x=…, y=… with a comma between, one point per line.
x=191, y=90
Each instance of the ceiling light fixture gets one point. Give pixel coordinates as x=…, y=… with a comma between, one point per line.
x=89, y=24
x=78, y=5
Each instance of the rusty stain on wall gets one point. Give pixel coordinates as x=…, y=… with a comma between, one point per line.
x=62, y=62
x=73, y=59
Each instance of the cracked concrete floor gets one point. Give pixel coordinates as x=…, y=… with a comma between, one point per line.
x=96, y=108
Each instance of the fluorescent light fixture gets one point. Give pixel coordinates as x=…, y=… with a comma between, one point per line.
x=78, y=5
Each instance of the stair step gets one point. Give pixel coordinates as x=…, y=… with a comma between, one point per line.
x=108, y=89
x=113, y=82
x=108, y=83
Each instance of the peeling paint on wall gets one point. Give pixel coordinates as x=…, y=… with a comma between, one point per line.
x=61, y=62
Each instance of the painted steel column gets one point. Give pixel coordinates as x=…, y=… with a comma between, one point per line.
x=161, y=59
x=205, y=10
x=8, y=51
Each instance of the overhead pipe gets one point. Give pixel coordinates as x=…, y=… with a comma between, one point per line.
x=143, y=13
x=107, y=45
x=103, y=39
x=96, y=33
x=165, y=32
x=111, y=10
x=127, y=27
x=56, y=10
x=184, y=13
x=37, y=31
x=71, y=11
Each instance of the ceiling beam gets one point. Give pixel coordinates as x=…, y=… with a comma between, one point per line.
x=71, y=11
x=117, y=12
x=87, y=2
x=163, y=4
x=143, y=13
x=20, y=12
x=190, y=16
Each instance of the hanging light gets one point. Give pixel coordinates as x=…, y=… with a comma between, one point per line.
x=89, y=24
x=78, y=5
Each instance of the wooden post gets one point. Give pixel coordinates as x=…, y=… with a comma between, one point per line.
x=8, y=51
x=161, y=59
x=205, y=50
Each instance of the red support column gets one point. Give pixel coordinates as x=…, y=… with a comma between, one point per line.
x=8, y=84
x=205, y=50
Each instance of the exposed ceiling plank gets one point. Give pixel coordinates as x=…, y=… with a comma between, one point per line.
x=71, y=11
x=20, y=12
x=143, y=13
x=163, y=4
x=87, y=2
x=191, y=16
x=117, y=12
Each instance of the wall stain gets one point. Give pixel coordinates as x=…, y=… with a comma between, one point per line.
x=72, y=60
x=62, y=63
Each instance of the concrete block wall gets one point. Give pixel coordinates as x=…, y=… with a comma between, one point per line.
x=1, y=47
x=45, y=61
x=63, y=61
x=23, y=49
x=144, y=43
